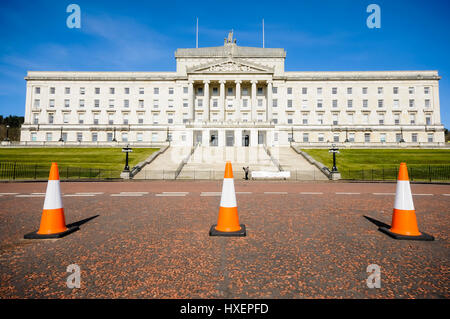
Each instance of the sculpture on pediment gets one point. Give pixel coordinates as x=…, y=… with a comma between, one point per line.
x=230, y=67
x=230, y=38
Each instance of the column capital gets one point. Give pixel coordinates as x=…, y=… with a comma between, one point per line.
x=269, y=82
x=238, y=81
x=206, y=81
x=222, y=81
x=254, y=81
x=191, y=82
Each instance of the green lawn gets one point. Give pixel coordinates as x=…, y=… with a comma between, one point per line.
x=97, y=158
x=383, y=163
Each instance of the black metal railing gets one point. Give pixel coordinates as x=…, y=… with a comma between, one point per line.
x=29, y=171
x=419, y=173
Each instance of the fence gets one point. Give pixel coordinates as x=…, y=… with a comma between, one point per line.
x=27, y=171
x=420, y=173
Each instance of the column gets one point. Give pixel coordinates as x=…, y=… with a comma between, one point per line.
x=206, y=90
x=222, y=98
x=191, y=100
x=238, y=100
x=269, y=102
x=254, y=82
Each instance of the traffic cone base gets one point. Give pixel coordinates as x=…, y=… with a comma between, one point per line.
x=240, y=233
x=35, y=235
x=423, y=236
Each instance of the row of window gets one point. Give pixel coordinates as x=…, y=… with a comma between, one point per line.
x=230, y=103
x=123, y=137
x=305, y=118
x=364, y=90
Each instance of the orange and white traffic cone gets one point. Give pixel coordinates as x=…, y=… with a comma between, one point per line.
x=228, y=222
x=404, y=222
x=53, y=223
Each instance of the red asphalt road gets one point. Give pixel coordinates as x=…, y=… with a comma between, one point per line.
x=299, y=244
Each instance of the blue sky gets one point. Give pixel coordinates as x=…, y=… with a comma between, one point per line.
x=322, y=35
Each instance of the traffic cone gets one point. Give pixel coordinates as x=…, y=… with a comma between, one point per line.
x=53, y=224
x=228, y=223
x=404, y=223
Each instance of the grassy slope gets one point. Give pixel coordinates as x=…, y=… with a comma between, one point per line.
x=105, y=158
x=378, y=158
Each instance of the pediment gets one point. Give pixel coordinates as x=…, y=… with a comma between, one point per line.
x=230, y=66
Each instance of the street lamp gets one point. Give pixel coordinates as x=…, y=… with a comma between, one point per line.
x=61, y=136
x=334, y=150
x=114, y=139
x=346, y=135
x=126, y=150
x=7, y=133
x=401, y=136
x=168, y=139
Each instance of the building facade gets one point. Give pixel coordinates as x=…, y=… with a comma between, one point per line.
x=232, y=95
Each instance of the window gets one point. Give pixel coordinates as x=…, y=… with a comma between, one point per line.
x=110, y=118
x=260, y=91
x=81, y=118
x=67, y=90
x=275, y=137
x=170, y=91
x=124, y=137
x=335, y=119
x=289, y=90
x=396, y=104
x=126, y=103
x=64, y=137
x=155, y=118
x=289, y=119
x=140, y=118
x=398, y=137
x=141, y=90
x=274, y=103
x=170, y=118
x=319, y=104
x=320, y=137
x=141, y=104
x=81, y=103
x=349, y=104
x=111, y=104
x=427, y=103
x=79, y=136
x=33, y=137
x=395, y=90
x=367, y=137
x=380, y=103
x=170, y=104
x=127, y=90
x=51, y=118
x=96, y=103
x=411, y=103
x=305, y=137
x=365, y=103
x=186, y=89
x=94, y=137
x=336, y=137
x=199, y=102
x=154, y=137
x=381, y=119
x=82, y=90
x=350, y=118
x=380, y=90
x=48, y=137
x=35, y=118
x=37, y=90
x=230, y=91
x=66, y=103
x=155, y=104
x=364, y=90
x=351, y=137
x=411, y=90
x=430, y=137
x=414, y=137
x=66, y=118
x=289, y=103
x=155, y=90
x=109, y=137
x=383, y=137
x=125, y=119
x=426, y=90
x=305, y=104
x=319, y=119
x=319, y=91
x=304, y=119
x=260, y=102
x=37, y=103
x=96, y=118
x=216, y=102
x=275, y=120
x=97, y=90
x=185, y=103
x=396, y=119
x=334, y=91
x=139, y=137
x=349, y=90
x=199, y=91
x=304, y=90
x=335, y=103
x=52, y=90
x=274, y=90
x=428, y=120
x=412, y=119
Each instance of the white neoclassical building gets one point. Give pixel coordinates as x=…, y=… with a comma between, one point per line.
x=232, y=95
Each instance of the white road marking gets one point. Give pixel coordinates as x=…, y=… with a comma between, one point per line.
x=88, y=193
x=9, y=193
x=171, y=195
x=142, y=193
x=445, y=194
x=79, y=195
x=383, y=193
x=126, y=195
x=210, y=194
x=243, y=193
x=278, y=193
x=311, y=193
x=37, y=193
x=30, y=195
x=422, y=194
x=347, y=193
x=175, y=192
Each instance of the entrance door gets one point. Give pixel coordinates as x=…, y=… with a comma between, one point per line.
x=198, y=137
x=245, y=138
x=261, y=137
x=213, y=138
x=229, y=138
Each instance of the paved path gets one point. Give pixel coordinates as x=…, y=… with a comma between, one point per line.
x=150, y=240
x=300, y=168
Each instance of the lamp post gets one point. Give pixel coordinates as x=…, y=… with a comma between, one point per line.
x=168, y=139
x=61, y=136
x=114, y=138
x=346, y=135
x=334, y=171
x=401, y=135
x=7, y=133
x=126, y=150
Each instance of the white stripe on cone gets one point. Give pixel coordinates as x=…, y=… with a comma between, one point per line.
x=403, y=196
x=53, y=195
x=228, y=198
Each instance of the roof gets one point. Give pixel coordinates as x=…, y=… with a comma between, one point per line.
x=230, y=49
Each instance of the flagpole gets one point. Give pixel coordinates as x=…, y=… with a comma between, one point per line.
x=196, y=35
x=263, y=34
